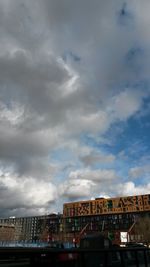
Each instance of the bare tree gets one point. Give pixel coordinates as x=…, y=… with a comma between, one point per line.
x=44, y=235
x=44, y=230
x=142, y=229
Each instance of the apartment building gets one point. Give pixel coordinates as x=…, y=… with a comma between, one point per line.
x=111, y=216
x=35, y=228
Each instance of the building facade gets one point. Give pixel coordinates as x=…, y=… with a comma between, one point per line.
x=111, y=216
x=114, y=217
x=35, y=228
x=7, y=232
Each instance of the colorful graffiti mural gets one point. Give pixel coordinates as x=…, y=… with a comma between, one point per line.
x=107, y=206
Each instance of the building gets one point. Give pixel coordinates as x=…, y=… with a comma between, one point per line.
x=7, y=232
x=35, y=228
x=25, y=227
x=112, y=216
x=50, y=227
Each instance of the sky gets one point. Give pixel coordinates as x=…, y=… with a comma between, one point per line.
x=74, y=102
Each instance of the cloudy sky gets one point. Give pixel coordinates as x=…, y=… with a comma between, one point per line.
x=74, y=102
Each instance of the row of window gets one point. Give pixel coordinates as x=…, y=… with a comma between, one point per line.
x=110, y=217
x=93, y=228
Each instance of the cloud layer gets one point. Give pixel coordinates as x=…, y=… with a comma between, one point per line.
x=71, y=73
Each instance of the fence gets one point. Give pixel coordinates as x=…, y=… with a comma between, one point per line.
x=44, y=257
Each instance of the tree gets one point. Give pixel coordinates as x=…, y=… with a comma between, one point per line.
x=44, y=235
x=43, y=229
x=142, y=229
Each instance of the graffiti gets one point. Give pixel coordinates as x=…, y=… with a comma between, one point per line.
x=108, y=206
x=84, y=208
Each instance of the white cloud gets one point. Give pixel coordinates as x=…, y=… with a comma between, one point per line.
x=76, y=188
x=63, y=76
x=87, y=183
x=130, y=189
x=25, y=192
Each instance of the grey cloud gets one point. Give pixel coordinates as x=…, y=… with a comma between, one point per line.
x=33, y=83
x=97, y=175
x=61, y=99
x=84, y=183
x=94, y=158
x=139, y=171
x=75, y=189
x=25, y=69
